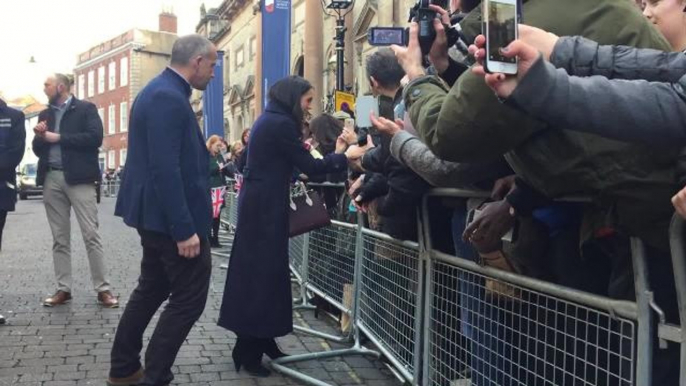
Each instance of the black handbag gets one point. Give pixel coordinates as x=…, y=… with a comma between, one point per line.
x=306, y=212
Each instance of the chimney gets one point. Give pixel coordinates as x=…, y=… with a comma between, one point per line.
x=168, y=22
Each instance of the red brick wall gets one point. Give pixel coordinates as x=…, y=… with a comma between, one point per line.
x=168, y=23
x=114, y=97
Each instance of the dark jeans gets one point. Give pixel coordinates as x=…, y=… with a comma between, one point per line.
x=3, y=217
x=164, y=275
x=214, y=237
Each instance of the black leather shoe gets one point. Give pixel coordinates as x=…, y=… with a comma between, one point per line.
x=2, y=320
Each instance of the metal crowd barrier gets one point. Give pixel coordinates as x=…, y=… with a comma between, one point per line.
x=443, y=320
x=677, y=334
x=110, y=188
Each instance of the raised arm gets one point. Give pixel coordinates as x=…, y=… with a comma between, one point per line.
x=628, y=110
x=583, y=57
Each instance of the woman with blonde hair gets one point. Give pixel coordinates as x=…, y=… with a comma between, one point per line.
x=218, y=188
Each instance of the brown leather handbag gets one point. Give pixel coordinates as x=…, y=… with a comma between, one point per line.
x=306, y=212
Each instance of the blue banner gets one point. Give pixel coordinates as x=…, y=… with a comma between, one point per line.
x=213, y=101
x=276, y=43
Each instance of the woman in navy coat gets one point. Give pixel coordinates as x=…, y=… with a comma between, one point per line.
x=257, y=303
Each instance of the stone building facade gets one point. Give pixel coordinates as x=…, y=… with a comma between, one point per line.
x=235, y=27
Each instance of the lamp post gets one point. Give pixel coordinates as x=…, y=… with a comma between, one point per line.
x=339, y=8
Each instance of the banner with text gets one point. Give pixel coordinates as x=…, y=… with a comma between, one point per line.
x=213, y=101
x=276, y=43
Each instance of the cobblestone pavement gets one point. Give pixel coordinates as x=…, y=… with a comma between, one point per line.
x=70, y=345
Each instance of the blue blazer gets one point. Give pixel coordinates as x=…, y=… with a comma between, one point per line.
x=165, y=186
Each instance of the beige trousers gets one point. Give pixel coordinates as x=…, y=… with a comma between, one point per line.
x=59, y=198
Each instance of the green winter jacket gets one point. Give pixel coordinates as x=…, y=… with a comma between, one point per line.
x=467, y=123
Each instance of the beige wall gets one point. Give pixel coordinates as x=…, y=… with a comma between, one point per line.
x=151, y=60
x=239, y=115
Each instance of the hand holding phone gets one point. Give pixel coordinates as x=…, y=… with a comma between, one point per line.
x=500, y=29
x=364, y=107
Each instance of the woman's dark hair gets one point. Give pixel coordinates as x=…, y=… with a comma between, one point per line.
x=325, y=129
x=244, y=136
x=287, y=92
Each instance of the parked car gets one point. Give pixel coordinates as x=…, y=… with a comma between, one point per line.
x=26, y=182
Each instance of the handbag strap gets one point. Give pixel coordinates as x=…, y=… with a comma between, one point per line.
x=303, y=188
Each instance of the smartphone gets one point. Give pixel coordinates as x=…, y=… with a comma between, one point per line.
x=350, y=124
x=500, y=29
x=385, y=36
x=364, y=107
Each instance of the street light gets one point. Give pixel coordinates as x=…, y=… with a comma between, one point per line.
x=339, y=8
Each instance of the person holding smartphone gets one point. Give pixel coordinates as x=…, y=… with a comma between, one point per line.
x=467, y=123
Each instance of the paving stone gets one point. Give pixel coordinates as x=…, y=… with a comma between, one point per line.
x=71, y=345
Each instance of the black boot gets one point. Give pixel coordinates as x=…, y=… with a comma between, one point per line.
x=272, y=349
x=247, y=354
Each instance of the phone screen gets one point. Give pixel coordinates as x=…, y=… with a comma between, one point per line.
x=387, y=36
x=364, y=106
x=502, y=21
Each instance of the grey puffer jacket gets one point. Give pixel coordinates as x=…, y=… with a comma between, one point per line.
x=410, y=151
x=619, y=92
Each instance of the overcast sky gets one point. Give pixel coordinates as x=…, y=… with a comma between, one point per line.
x=55, y=32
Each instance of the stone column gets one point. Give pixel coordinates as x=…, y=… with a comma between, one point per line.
x=314, y=56
x=349, y=48
x=259, y=83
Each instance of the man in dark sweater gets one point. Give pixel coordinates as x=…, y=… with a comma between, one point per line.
x=67, y=142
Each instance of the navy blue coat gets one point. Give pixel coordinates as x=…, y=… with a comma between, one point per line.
x=165, y=186
x=257, y=296
x=12, y=142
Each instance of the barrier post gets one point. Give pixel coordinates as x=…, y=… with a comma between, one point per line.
x=646, y=329
x=676, y=239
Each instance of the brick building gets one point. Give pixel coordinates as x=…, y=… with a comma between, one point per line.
x=111, y=74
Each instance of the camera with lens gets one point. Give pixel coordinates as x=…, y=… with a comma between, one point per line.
x=424, y=16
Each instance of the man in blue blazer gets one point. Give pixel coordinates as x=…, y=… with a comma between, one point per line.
x=165, y=195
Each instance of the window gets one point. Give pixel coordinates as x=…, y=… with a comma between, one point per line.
x=91, y=83
x=101, y=79
x=82, y=86
x=253, y=47
x=111, y=122
x=112, y=74
x=122, y=157
x=110, y=159
x=124, y=72
x=123, y=116
x=101, y=113
x=239, y=57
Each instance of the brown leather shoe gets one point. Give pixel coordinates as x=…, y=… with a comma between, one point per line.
x=131, y=380
x=107, y=300
x=58, y=299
